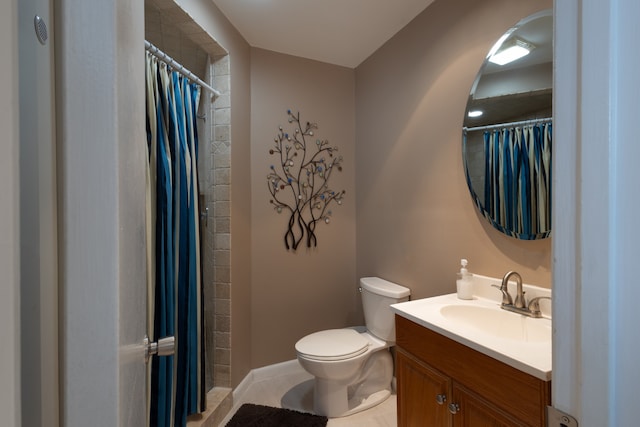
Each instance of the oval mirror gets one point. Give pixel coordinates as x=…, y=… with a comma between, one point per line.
x=507, y=131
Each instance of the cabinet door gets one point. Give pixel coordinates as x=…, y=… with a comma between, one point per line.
x=474, y=411
x=423, y=394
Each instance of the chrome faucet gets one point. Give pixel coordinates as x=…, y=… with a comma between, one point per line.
x=519, y=305
x=519, y=301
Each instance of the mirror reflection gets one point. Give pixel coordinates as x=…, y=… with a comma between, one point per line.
x=507, y=131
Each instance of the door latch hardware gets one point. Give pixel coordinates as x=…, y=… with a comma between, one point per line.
x=163, y=347
x=557, y=418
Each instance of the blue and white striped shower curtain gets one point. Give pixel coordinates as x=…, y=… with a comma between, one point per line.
x=518, y=179
x=173, y=257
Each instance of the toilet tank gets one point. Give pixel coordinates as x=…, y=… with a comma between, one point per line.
x=377, y=296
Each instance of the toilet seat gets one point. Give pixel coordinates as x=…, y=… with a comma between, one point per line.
x=332, y=345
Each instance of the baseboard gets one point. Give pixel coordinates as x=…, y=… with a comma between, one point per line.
x=264, y=373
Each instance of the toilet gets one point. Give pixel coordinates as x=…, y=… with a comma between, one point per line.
x=353, y=367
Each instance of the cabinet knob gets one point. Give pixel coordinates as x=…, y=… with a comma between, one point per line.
x=454, y=408
x=441, y=398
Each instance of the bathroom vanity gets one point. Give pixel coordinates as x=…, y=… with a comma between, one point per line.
x=441, y=382
x=492, y=368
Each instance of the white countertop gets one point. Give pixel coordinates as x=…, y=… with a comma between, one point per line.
x=530, y=356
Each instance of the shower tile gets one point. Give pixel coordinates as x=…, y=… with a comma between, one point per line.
x=164, y=4
x=221, y=132
x=171, y=29
x=222, y=84
x=222, y=176
x=222, y=159
x=223, y=101
x=222, y=323
x=222, y=209
x=223, y=339
x=222, y=356
x=222, y=193
x=214, y=48
x=223, y=225
x=222, y=375
x=222, y=116
x=176, y=15
x=221, y=258
x=223, y=241
x=190, y=28
x=223, y=308
x=221, y=67
x=220, y=148
x=222, y=280
x=223, y=290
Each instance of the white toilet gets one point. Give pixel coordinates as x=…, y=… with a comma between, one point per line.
x=353, y=368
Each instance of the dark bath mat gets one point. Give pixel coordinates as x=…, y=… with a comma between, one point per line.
x=250, y=415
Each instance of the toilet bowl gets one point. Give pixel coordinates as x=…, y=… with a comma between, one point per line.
x=353, y=367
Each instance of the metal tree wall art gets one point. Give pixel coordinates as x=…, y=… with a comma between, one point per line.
x=299, y=182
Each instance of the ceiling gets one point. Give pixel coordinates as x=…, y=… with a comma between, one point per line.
x=340, y=32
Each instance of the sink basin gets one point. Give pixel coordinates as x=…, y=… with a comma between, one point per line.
x=498, y=323
x=521, y=342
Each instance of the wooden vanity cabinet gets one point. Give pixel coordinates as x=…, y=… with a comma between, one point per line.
x=418, y=389
x=441, y=383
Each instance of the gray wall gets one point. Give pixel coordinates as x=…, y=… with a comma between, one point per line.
x=296, y=293
x=415, y=217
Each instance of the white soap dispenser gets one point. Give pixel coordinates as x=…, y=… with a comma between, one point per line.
x=464, y=284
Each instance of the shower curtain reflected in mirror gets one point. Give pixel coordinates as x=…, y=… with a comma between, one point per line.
x=518, y=179
x=173, y=259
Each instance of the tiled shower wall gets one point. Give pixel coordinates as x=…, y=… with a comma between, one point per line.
x=217, y=233
x=172, y=30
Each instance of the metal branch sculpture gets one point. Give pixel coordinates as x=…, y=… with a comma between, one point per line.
x=299, y=182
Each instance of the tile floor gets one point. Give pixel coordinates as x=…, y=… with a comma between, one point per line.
x=292, y=389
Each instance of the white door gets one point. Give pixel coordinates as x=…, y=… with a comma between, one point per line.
x=596, y=111
x=38, y=206
x=101, y=154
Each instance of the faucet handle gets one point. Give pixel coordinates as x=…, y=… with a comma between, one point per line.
x=506, y=298
x=534, y=305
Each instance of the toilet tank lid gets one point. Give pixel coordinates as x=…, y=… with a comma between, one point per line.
x=383, y=287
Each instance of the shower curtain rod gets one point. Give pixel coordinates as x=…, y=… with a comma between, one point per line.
x=504, y=125
x=178, y=67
